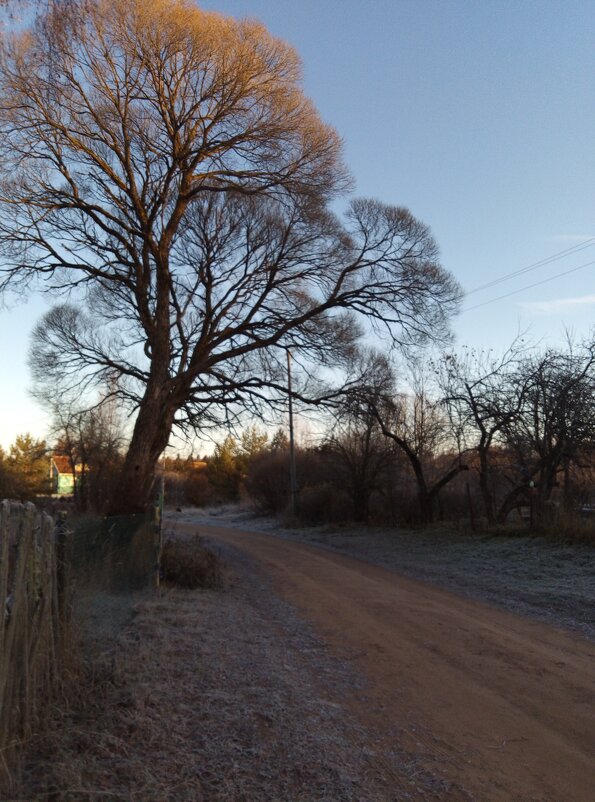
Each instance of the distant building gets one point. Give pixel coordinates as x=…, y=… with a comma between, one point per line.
x=62, y=476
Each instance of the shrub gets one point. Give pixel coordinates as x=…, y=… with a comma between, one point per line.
x=324, y=504
x=189, y=564
x=267, y=482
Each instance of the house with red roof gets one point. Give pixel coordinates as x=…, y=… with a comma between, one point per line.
x=62, y=476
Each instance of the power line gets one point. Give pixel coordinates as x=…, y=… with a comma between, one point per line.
x=546, y=261
x=530, y=286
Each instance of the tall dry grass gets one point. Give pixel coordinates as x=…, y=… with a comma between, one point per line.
x=570, y=527
x=189, y=564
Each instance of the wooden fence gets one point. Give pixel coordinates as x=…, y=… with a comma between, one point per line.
x=34, y=612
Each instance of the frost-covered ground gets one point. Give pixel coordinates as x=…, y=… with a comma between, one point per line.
x=532, y=576
x=222, y=696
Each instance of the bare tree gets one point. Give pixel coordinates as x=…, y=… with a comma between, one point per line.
x=484, y=393
x=415, y=421
x=556, y=427
x=162, y=165
x=419, y=427
x=91, y=437
x=12, y=12
x=360, y=459
x=528, y=416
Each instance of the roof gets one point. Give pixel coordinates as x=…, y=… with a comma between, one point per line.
x=62, y=464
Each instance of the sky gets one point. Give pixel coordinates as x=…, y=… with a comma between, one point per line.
x=479, y=116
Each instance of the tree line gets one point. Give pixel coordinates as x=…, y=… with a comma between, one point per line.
x=473, y=436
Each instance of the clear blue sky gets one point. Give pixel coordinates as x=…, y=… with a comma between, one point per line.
x=479, y=116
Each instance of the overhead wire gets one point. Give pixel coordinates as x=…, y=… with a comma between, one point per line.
x=580, y=246
x=530, y=286
x=573, y=249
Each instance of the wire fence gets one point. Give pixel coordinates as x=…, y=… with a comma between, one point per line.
x=34, y=618
x=118, y=554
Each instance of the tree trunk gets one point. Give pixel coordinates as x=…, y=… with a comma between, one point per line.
x=511, y=500
x=434, y=491
x=567, y=492
x=484, y=485
x=426, y=504
x=361, y=504
x=149, y=439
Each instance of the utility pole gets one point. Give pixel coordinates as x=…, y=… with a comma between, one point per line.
x=292, y=471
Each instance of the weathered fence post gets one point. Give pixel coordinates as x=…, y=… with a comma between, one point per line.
x=62, y=578
x=34, y=614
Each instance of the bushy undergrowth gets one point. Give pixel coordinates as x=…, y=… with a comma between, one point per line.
x=569, y=527
x=190, y=564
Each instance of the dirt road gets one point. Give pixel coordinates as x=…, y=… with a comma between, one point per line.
x=503, y=706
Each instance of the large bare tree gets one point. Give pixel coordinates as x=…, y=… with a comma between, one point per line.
x=162, y=165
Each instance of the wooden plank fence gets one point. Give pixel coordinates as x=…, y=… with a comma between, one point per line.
x=34, y=613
